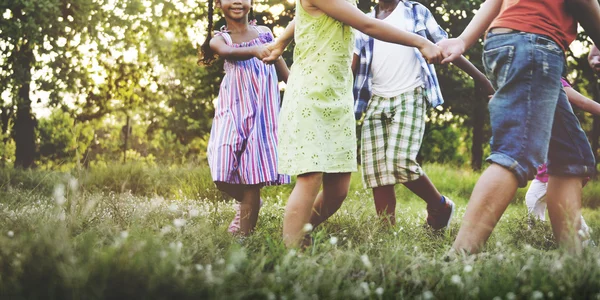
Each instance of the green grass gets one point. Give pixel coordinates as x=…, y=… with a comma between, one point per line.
x=133, y=232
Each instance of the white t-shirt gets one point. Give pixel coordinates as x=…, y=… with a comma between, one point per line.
x=395, y=68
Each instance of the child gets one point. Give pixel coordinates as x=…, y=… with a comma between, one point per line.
x=242, y=149
x=317, y=132
x=530, y=116
x=394, y=86
x=535, y=199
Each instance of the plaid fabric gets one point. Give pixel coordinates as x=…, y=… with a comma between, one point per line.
x=420, y=21
x=392, y=134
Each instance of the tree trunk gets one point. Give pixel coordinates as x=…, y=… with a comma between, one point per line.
x=24, y=121
x=127, y=129
x=478, y=118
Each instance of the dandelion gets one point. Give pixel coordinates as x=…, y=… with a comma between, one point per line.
x=537, y=295
x=59, y=194
x=365, y=287
x=10, y=233
x=456, y=279
x=333, y=240
x=173, y=207
x=179, y=223
x=73, y=184
x=194, y=213
x=165, y=230
x=379, y=291
x=199, y=267
x=307, y=227
x=124, y=234
x=510, y=296
x=427, y=295
x=468, y=269
x=365, y=260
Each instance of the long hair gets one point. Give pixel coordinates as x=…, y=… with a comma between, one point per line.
x=206, y=55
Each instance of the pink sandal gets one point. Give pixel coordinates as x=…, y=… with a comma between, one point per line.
x=234, y=226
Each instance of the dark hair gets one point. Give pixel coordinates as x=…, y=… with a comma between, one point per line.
x=206, y=55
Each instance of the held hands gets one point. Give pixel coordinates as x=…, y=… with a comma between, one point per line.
x=275, y=52
x=452, y=49
x=261, y=52
x=432, y=53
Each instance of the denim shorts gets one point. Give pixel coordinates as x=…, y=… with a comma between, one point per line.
x=532, y=120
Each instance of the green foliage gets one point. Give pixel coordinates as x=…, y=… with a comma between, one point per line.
x=62, y=141
x=72, y=242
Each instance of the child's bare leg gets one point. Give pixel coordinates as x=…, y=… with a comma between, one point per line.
x=249, y=208
x=385, y=203
x=299, y=207
x=424, y=188
x=235, y=191
x=564, y=209
x=493, y=192
x=329, y=200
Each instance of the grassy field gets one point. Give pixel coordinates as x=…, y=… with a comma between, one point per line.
x=131, y=232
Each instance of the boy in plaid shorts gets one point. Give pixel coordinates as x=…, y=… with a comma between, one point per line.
x=394, y=85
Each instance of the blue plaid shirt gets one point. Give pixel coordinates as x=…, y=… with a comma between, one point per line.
x=420, y=21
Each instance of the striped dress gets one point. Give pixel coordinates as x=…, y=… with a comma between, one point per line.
x=242, y=148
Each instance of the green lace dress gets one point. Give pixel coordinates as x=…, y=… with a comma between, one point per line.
x=316, y=122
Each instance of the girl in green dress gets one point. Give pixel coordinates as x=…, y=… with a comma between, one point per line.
x=317, y=139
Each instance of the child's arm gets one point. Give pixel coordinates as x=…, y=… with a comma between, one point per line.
x=281, y=43
x=582, y=102
x=218, y=45
x=283, y=72
x=481, y=82
x=453, y=48
x=280, y=66
x=350, y=15
x=587, y=13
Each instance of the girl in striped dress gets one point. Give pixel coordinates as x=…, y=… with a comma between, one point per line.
x=242, y=149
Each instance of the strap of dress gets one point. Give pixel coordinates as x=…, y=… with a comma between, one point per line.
x=225, y=36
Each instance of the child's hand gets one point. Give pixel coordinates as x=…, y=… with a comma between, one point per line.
x=275, y=52
x=261, y=52
x=432, y=53
x=452, y=48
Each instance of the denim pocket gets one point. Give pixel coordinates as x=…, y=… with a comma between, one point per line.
x=497, y=63
x=549, y=45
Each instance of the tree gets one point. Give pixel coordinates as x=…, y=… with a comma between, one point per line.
x=38, y=43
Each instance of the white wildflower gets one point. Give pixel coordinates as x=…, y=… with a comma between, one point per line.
x=537, y=295
x=510, y=296
x=10, y=233
x=199, y=267
x=73, y=183
x=468, y=269
x=333, y=240
x=428, y=295
x=59, y=194
x=307, y=227
x=194, y=213
x=456, y=279
x=124, y=234
x=173, y=207
x=179, y=223
x=365, y=260
x=379, y=291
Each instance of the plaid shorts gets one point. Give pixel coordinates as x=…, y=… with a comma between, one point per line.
x=392, y=134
